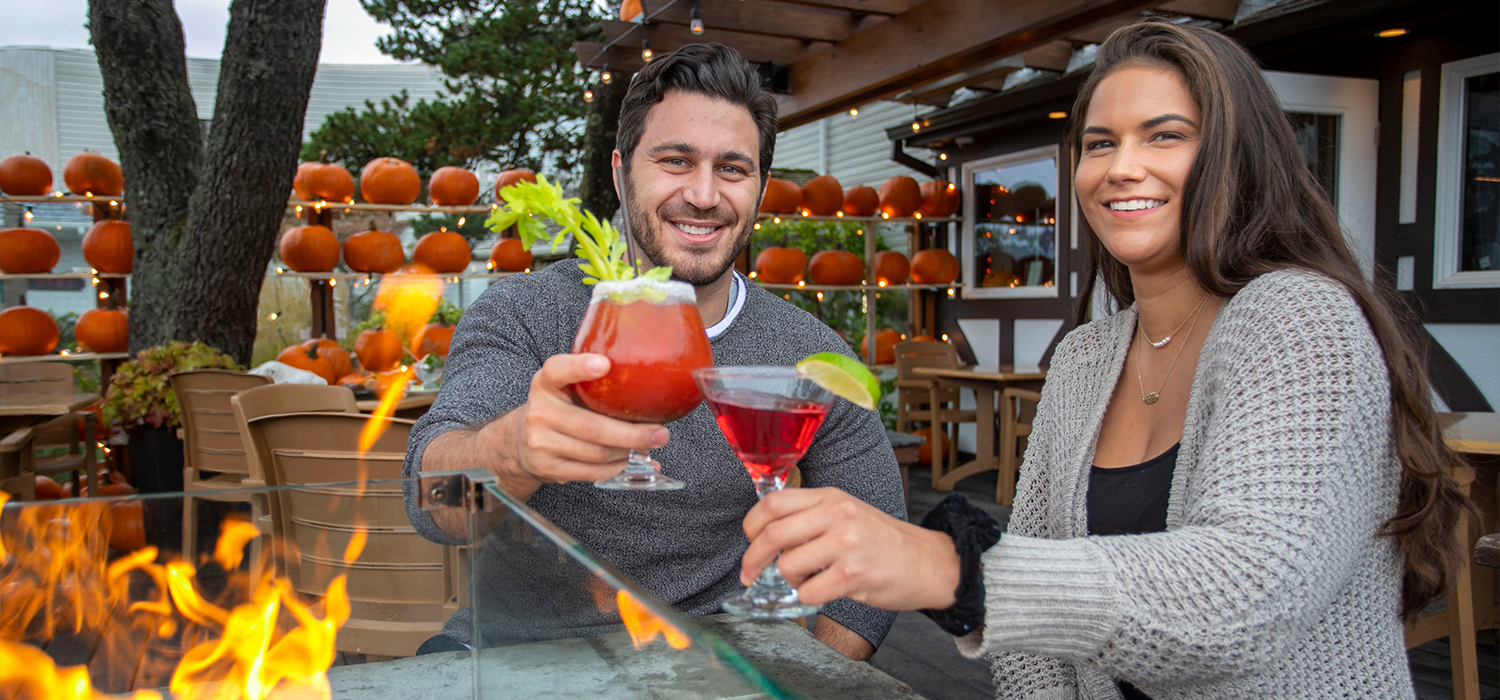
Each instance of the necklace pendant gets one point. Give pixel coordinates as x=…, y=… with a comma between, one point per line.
x=1160, y=343
x=1150, y=397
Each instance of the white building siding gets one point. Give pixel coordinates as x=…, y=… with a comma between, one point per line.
x=53, y=100
x=858, y=152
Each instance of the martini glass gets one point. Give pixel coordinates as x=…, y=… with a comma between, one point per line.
x=769, y=415
x=654, y=338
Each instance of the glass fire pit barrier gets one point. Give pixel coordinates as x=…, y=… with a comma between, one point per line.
x=327, y=591
x=550, y=620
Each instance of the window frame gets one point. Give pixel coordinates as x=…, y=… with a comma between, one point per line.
x=971, y=290
x=1448, y=198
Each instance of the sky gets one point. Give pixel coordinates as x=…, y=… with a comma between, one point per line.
x=349, y=33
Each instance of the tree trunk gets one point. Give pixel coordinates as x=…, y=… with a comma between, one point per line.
x=270, y=58
x=205, y=224
x=153, y=119
x=596, y=188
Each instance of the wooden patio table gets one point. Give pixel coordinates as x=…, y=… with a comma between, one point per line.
x=412, y=405
x=986, y=381
x=27, y=410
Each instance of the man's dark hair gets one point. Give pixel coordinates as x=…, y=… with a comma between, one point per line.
x=714, y=70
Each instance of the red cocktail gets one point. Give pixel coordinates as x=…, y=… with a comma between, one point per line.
x=654, y=339
x=769, y=415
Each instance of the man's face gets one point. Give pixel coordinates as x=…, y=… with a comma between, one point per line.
x=694, y=184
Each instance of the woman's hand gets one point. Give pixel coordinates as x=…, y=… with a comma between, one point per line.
x=834, y=545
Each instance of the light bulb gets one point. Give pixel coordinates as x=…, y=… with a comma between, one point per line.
x=853, y=113
x=696, y=25
x=588, y=95
x=607, y=77
x=646, y=50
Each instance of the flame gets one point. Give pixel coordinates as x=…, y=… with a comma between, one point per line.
x=54, y=577
x=380, y=417
x=644, y=625
x=408, y=301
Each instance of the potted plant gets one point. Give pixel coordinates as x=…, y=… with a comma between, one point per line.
x=140, y=401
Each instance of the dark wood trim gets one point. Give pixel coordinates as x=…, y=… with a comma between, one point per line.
x=1450, y=381
x=765, y=17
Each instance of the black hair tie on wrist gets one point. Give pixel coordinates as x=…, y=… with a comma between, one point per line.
x=973, y=531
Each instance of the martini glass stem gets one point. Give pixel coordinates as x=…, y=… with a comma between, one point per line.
x=770, y=596
x=639, y=464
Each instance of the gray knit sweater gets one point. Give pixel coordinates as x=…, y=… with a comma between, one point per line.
x=1270, y=580
x=682, y=546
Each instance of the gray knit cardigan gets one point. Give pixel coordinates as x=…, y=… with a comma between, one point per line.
x=1270, y=580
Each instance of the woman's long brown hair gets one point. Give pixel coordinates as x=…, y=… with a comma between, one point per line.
x=1250, y=206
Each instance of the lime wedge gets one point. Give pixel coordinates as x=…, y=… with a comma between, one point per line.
x=844, y=376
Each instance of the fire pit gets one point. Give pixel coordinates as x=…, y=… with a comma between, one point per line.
x=99, y=599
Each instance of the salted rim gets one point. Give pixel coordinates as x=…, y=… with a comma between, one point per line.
x=670, y=291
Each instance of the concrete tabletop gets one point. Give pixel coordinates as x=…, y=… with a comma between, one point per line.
x=608, y=667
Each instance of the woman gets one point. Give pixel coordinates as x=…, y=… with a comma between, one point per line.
x=1231, y=482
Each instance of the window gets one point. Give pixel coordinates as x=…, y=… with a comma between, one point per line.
x=1318, y=141
x=1010, y=229
x=1467, y=237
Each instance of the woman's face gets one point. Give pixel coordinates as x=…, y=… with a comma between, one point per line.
x=1140, y=137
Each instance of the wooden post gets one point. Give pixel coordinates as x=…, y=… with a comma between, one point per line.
x=110, y=293
x=324, y=318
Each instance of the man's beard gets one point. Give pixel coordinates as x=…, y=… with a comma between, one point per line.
x=697, y=270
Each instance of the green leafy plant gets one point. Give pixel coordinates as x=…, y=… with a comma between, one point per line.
x=140, y=393
x=603, y=249
x=446, y=313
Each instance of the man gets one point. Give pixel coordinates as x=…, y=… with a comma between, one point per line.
x=695, y=143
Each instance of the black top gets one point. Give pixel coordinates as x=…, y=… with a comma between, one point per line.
x=1131, y=501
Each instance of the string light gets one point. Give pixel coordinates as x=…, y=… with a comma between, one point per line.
x=461, y=220
x=697, y=20
x=854, y=113
x=274, y=315
x=757, y=225
x=753, y=273
x=607, y=77
x=942, y=156
x=950, y=293
x=916, y=126
x=588, y=95
x=646, y=50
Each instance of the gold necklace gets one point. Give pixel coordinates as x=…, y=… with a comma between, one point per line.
x=1150, y=397
x=1163, y=342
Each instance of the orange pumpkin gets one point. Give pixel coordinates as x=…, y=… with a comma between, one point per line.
x=432, y=339
x=443, y=252
x=900, y=196
x=510, y=255
x=389, y=181
x=936, y=266
x=891, y=267
x=26, y=331
x=25, y=176
x=453, y=187
x=924, y=451
x=103, y=330
x=327, y=181
x=782, y=197
x=861, y=201
x=307, y=358
x=380, y=381
x=923, y=339
x=885, y=346
x=27, y=251
x=309, y=249
x=939, y=198
x=822, y=196
x=781, y=265
x=839, y=267
x=47, y=489
x=511, y=177
x=373, y=251
x=107, y=247
x=91, y=173
x=338, y=360
x=127, y=532
x=378, y=350
x=629, y=10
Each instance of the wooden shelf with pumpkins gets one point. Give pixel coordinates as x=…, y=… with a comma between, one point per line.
x=28, y=334
x=900, y=200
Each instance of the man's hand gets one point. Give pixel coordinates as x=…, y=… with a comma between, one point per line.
x=834, y=545
x=549, y=439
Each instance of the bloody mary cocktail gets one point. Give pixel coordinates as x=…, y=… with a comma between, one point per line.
x=654, y=338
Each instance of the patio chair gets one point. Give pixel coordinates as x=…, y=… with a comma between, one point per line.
x=18, y=464
x=214, y=463
x=51, y=383
x=1017, y=408
x=403, y=587
x=1456, y=618
x=933, y=400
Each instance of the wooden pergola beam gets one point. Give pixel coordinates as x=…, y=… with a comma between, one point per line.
x=932, y=40
x=768, y=17
x=872, y=7
x=1053, y=55
x=619, y=59
x=937, y=93
x=1222, y=10
x=756, y=48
